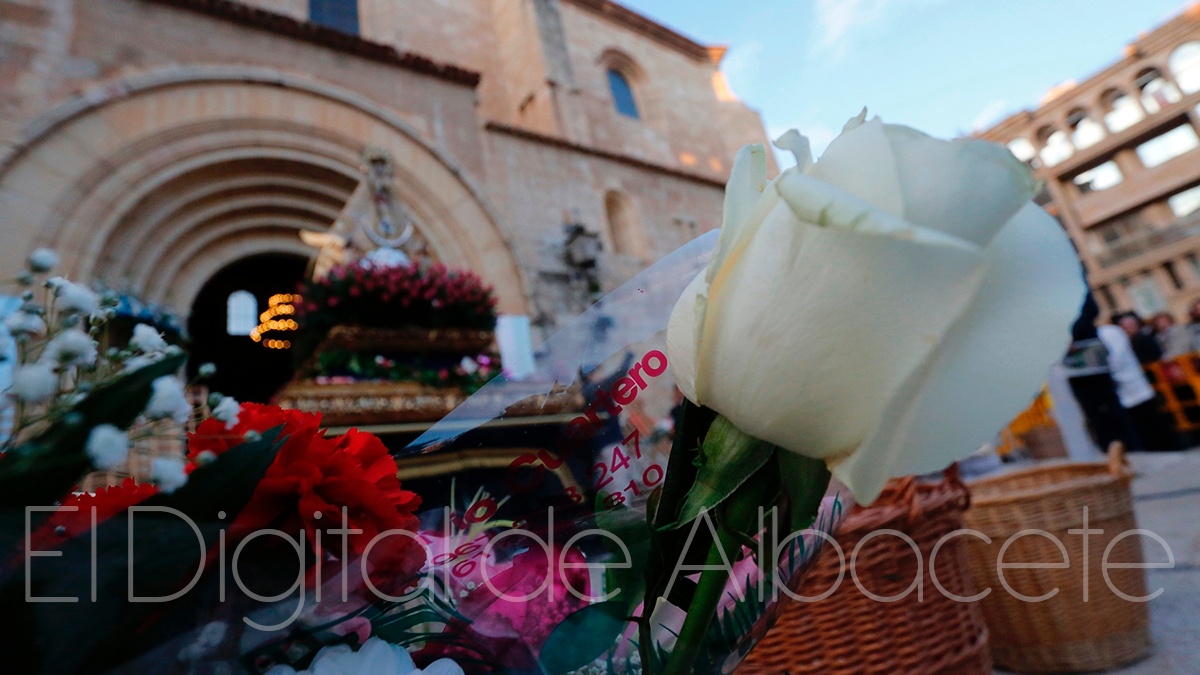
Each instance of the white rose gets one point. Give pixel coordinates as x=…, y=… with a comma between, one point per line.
x=886, y=309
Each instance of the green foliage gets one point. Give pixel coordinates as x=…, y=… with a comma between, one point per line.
x=804, y=480
x=727, y=459
x=584, y=636
x=424, y=370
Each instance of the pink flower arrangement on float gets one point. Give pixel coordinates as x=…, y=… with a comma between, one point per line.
x=398, y=296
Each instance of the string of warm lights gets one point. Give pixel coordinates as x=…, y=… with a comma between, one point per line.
x=278, y=305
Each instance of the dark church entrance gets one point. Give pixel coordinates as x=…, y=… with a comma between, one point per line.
x=225, y=313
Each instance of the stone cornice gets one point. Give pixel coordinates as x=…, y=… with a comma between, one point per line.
x=645, y=26
x=329, y=38
x=556, y=142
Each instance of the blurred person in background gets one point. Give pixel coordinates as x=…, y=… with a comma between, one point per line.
x=1173, y=339
x=1193, y=327
x=1090, y=378
x=1137, y=397
x=1141, y=337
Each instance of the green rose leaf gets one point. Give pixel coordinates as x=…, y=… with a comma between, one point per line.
x=804, y=480
x=727, y=459
x=584, y=636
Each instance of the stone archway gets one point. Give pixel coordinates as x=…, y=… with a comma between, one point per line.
x=168, y=177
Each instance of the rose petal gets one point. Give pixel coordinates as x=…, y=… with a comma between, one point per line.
x=988, y=366
x=747, y=180
x=815, y=201
x=686, y=320
x=808, y=355
x=860, y=161
x=967, y=188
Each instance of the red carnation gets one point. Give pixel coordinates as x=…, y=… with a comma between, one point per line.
x=64, y=525
x=313, y=478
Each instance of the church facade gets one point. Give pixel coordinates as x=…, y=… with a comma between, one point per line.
x=155, y=143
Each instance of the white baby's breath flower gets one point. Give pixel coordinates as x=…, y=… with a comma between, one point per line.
x=147, y=339
x=74, y=298
x=208, y=640
x=207, y=370
x=168, y=400
x=70, y=348
x=107, y=446
x=168, y=473
x=34, y=383
x=227, y=411
x=140, y=361
x=25, y=323
x=42, y=260
x=374, y=656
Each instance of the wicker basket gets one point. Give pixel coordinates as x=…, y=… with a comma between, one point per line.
x=1063, y=633
x=849, y=632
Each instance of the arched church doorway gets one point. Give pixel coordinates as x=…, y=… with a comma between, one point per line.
x=227, y=308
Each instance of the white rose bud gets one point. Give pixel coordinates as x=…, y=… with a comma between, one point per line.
x=886, y=309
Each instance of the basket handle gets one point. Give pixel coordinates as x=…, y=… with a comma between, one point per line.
x=1116, y=457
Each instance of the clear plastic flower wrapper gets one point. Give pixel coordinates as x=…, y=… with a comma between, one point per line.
x=579, y=513
x=528, y=553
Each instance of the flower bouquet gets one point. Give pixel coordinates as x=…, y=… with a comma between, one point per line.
x=877, y=313
x=386, y=343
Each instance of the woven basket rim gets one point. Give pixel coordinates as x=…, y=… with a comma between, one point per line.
x=1077, y=475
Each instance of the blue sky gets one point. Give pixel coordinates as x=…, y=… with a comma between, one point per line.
x=942, y=66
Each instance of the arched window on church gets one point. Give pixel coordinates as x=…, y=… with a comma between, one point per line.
x=241, y=313
x=336, y=14
x=622, y=93
x=623, y=225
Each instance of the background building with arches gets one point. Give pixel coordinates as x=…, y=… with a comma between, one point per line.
x=1117, y=152
x=157, y=143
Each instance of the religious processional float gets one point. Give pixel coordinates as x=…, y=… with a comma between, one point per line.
x=878, y=313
